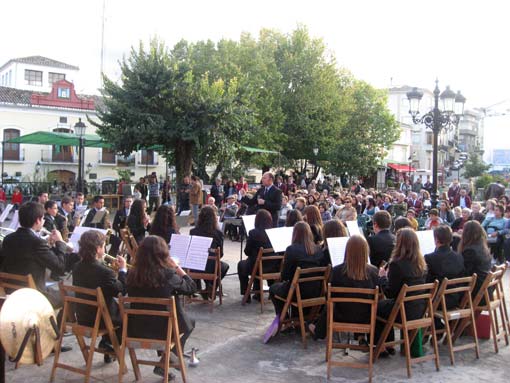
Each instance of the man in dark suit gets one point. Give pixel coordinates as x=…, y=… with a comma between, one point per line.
x=98, y=209
x=66, y=209
x=120, y=219
x=414, y=203
x=444, y=263
x=382, y=243
x=268, y=197
x=91, y=273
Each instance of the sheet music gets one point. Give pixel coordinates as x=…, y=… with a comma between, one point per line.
x=280, y=238
x=5, y=213
x=427, y=242
x=353, y=228
x=179, y=245
x=76, y=235
x=98, y=217
x=249, y=222
x=198, y=252
x=336, y=248
x=185, y=213
x=15, y=221
x=83, y=216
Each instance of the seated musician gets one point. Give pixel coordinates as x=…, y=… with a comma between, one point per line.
x=24, y=252
x=51, y=222
x=304, y=253
x=92, y=273
x=98, y=217
x=66, y=209
x=120, y=219
x=355, y=272
x=156, y=275
x=312, y=216
x=230, y=211
x=164, y=223
x=138, y=220
x=207, y=226
x=331, y=229
x=257, y=238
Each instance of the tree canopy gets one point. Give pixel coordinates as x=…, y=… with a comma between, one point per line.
x=198, y=103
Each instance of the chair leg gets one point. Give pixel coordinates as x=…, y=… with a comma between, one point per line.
x=122, y=362
x=381, y=343
x=166, y=361
x=449, y=340
x=329, y=350
x=83, y=347
x=408, y=351
x=261, y=295
x=434, y=343
x=475, y=335
x=57, y=350
x=90, y=357
x=302, y=325
x=134, y=362
x=494, y=331
x=504, y=327
x=247, y=292
x=178, y=346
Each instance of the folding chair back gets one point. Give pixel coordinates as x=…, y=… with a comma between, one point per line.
x=339, y=295
x=318, y=275
x=160, y=308
x=462, y=288
x=409, y=328
x=10, y=282
x=276, y=261
x=501, y=288
x=213, y=278
x=94, y=299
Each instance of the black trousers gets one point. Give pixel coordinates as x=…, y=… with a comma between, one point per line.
x=244, y=270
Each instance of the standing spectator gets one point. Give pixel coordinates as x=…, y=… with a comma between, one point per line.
x=153, y=195
x=428, y=185
x=242, y=184
x=183, y=199
x=142, y=186
x=268, y=197
x=17, y=198
x=3, y=199
x=417, y=186
x=166, y=192
x=195, y=196
x=291, y=186
x=229, y=189
x=453, y=191
x=217, y=192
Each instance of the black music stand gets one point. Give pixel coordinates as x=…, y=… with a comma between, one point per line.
x=238, y=222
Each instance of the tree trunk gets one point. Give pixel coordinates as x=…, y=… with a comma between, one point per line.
x=217, y=171
x=183, y=159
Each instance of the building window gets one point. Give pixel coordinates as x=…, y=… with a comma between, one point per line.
x=108, y=156
x=11, y=151
x=429, y=138
x=10, y=78
x=62, y=153
x=62, y=120
x=33, y=77
x=64, y=92
x=54, y=77
x=147, y=157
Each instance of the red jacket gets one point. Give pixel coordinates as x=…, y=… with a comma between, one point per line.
x=456, y=201
x=17, y=198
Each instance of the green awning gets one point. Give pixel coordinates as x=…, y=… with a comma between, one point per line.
x=60, y=139
x=257, y=150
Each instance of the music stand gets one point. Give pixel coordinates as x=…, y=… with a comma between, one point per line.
x=238, y=222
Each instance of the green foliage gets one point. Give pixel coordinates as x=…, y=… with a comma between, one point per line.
x=484, y=180
x=475, y=167
x=124, y=174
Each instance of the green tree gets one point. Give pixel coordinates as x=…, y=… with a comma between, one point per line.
x=475, y=167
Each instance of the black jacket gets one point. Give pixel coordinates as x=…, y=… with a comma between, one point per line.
x=120, y=220
x=217, y=241
x=381, y=245
x=272, y=201
x=92, y=275
x=476, y=260
x=154, y=327
x=25, y=253
x=445, y=263
x=136, y=228
x=257, y=239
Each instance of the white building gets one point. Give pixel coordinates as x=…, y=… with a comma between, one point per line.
x=28, y=105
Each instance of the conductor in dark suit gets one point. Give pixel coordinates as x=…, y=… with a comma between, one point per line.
x=92, y=273
x=444, y=263
x=382, y=243
x=26, y=253
x=268, y=197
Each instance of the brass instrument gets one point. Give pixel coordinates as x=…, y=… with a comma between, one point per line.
x=110, y=258
x=65, y=228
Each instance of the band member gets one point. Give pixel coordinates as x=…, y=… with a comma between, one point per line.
x=66, y=209
x=51, y=219
x=98, y=217
x=138, y=220
x=268, y=197
x=42, y=197
x=120, y=219
x=92, y=273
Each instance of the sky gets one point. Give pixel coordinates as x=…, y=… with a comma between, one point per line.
x=465, y=44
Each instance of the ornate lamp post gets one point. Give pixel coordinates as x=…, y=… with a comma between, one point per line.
x=79, y=130
x=448, y=117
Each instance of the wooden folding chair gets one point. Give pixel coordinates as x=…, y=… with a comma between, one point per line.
x=463, y=287
x=314, y=274
x=10, y=282
x=259, y=274
x=95, y=299
x=504, y=268
x=407, y=294
x=166, y=309
x=489, y=298
x=359, y=296
x=214, y=278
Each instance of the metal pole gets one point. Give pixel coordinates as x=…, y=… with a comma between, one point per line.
x=435, y=129
x=79, y=186
x=3, y=163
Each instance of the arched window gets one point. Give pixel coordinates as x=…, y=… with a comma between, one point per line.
x=11, y=151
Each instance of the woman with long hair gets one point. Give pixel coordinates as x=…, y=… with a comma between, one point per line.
x=257, y=238
x=313, y=217
x=293, y=217
x=355, y=272
x=371, y=207
x=445, y=212
x=304, y=253
x=407, y=266
x=164, y=224
x=347, y=212
x=332, y=229
x=156, y=275
x=476, y=254
x=138, y=220
x=207, y=226
x=92, y=273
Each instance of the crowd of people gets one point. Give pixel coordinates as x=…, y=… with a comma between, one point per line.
x=386, y=255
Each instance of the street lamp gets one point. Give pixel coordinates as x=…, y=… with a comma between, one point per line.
x=437, y=120
x=79, y=130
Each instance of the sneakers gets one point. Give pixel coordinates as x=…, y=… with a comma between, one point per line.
x=161, y=372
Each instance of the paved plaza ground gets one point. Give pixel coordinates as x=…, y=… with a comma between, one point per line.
x=231, y=350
